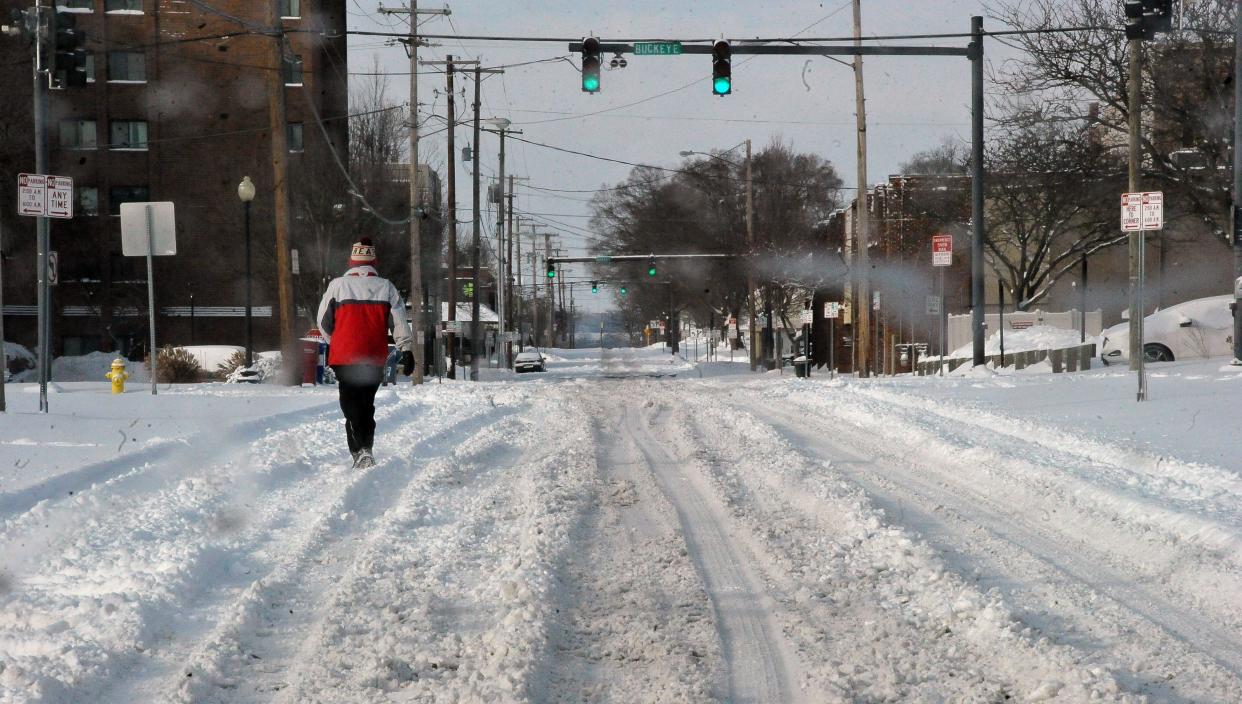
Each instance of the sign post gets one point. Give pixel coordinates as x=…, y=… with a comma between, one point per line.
x=942, y=257
x=149, y=230
x=832, y=311
x=42, y=196
x=1140, y=212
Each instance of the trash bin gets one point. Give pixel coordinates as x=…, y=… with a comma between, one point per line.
x=310, y=359
x=801, y=367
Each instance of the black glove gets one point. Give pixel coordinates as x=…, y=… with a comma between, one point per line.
x=407, y=362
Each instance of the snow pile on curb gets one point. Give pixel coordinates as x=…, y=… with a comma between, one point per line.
x=1036, y=337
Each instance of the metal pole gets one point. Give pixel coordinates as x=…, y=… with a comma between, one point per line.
x=475, y=331
x=1237, y=188
x=416, y=247
x=511, y=304
x=1136, y=238
x=976, y=191
x=4, y=360
x=41, y=224
x=861, y=268
x=249, y=313
x=550, y=340
x=832, y=348
x=750, y=265
x=154, y=351
x=1082, y=296
x=450, y=339
x=944, y=321
x=1000, y=324
x=192, y=335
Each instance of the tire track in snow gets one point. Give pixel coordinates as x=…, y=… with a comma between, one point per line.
x=1058, y=579
x=760, y=667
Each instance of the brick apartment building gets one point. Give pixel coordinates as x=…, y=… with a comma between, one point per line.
x=176, y=110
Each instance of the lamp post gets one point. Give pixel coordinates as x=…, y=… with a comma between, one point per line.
x=245, y=191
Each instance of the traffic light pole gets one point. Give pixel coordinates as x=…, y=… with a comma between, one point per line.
x=43, y=234
x=1137, y=243
x=974, y=52
x=1237, y=190
x=750, y=245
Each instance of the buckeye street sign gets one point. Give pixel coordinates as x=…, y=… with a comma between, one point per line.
x=1142, y=211
x=832, y=310
x=45, y=196
x=657, y=48
x=942, y=250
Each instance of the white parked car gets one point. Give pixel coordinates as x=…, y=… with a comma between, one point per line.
x=1194, y=329
x=528, y=361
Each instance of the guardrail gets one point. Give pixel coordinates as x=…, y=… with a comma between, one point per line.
x=1068, y=359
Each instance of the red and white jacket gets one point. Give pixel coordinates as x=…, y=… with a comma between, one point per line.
x=355, y=315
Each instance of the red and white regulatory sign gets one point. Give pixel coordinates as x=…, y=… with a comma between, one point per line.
x=942, y=250
x=1142, y=211
x=45, y=196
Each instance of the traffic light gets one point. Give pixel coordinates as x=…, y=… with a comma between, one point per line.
x=651, y=267
x=594, y=287
x=591, y=63
x=722, y=68
x=624, y=290
x=69, y=58
x=1144, y=18
x=551, y=270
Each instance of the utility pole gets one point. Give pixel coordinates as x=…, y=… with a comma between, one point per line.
x=861, y=265
x=1237, y=189
x=475, y=328
x=978, y=232
x=551, y=339
x=750, y=265
x=1136, y=240
x=416, y=205
x=513, y=303
x=278, y=126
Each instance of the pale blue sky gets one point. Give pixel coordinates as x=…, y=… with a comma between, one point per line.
x=913, y=103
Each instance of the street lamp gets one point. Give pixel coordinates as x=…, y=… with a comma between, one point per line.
x=245, y=191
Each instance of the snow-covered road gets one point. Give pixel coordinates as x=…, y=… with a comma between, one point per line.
x=618, y=530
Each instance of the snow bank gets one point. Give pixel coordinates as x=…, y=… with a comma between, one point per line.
x=88, y=367
x=1036, y=337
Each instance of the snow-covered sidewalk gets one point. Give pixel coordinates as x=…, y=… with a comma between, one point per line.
x=622, y=530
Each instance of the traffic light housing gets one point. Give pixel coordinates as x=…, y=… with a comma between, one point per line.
x=591, y=64
x=1144, y=18
x=594, y=287
x=68, y=56
x=551, y=270
x=651, y=267
x=624, y=290
x=722, y=68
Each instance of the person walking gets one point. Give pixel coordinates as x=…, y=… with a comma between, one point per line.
x=355, y=317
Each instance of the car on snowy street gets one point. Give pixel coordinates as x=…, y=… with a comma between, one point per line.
x=529, y=361
x=1195, y=329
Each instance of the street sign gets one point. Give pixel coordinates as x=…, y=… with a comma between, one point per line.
x=134, y=225
x=1142, y=211
x=933, y=305
x=942, y=250
x=45, y=196
x=875, y=300
x=453, y=326
x=808, y=316
x=53, y=268
x=657, y=48
x=832, y=310
x=296, y=268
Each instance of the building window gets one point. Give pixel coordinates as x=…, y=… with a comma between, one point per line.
x=75, y=5
x=123, y=5
x=127, y=134
x=293, y=70
x=126, y=194
x=90, y=67
x=78, y=134
x=294, y=137
x=88, y=200
x=127, y=66
x=290, y=9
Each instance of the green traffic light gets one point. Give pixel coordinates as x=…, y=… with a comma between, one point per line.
x=623, y=290
x=551, y=273
x=722, y=85
x=651, y=271
x=590, y=83
x=594, y=287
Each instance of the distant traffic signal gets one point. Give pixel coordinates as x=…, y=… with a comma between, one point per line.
x=594, y=287
x=551, y=270
x=651, y=267
x=722, y=68
x=69, y=59
x=591, y=63
x=624, y=290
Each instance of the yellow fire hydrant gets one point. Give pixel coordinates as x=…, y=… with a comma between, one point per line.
x=118, y=375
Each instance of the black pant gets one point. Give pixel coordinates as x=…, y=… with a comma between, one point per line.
x=358, y=384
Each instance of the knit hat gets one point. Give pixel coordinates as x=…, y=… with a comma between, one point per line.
x=362, y=253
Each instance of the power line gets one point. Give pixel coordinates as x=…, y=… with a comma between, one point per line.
x=759, y=40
